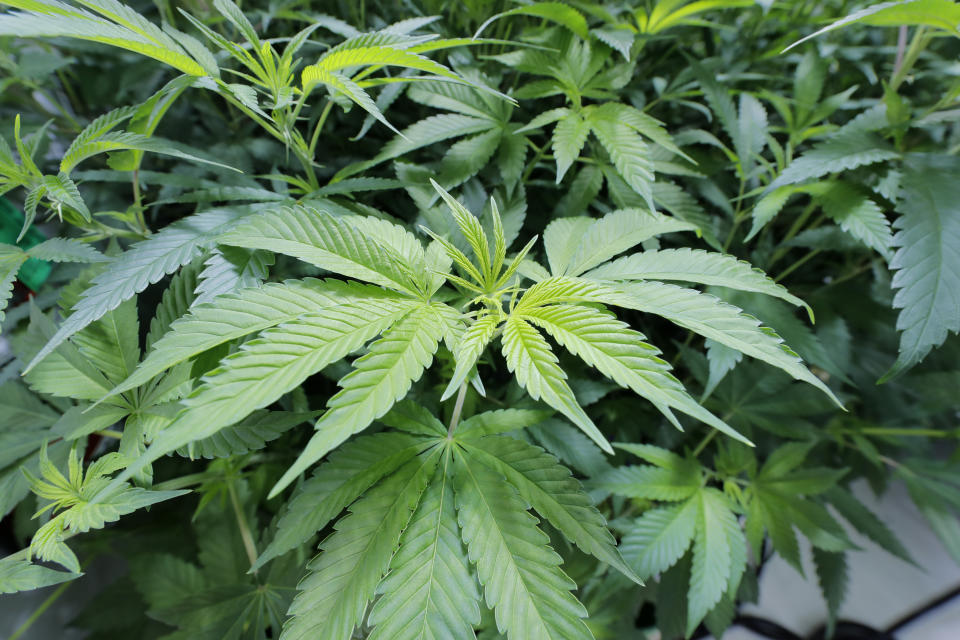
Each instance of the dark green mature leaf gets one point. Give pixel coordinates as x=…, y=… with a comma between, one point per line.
x=833, y=579
x=927, y=261
x=344, y=577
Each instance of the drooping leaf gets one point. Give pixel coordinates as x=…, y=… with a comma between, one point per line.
x=659, y=538
x=351, y=470
x=927, y=260
x=520, y=574
x=429, y=592
x=20, y=575
x=550, y=489
x=343, y=578
x=533, y=363
x=140, y=266
x=379, y=378
x=622, y=355
x=694, y=265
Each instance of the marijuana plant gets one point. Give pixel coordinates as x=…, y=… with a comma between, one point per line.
x=492, y=273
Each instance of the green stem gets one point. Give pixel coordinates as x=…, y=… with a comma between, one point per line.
x=39, y=611
x=182, y=482
x=703, y=443
x=794, y=230
x=245, y=534
x=138, y=203
x=533, y=165
x=849, y=276
x=316, y=130
x=737, y=219
x=796, y=265
x=457, y=410
x=917, y=45
x=109, y=434
x=926, y=433
x=59, y=107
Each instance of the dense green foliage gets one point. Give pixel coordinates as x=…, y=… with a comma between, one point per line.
x=374, y=286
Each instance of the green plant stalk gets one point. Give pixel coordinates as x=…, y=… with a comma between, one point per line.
x=305, y=161
x=182, y=482
x=793, y=231
x=457, y=410
x=312, y=149
x=39, y=611
x=245, y=535
x=796, y=265
x=704, y=442
x=893, y=431
x=917, y=45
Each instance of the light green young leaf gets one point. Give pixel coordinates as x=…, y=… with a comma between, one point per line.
x=555, y=494
x=350, y=471
x=520, y=574
x=695, y=265
x=476, y=338
x=379, y=378
x=472, y=230
x=531, y=360
x=659, y=538
x=429, y=592
x=52, y=21
x=554, y=11
x=621, y=354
